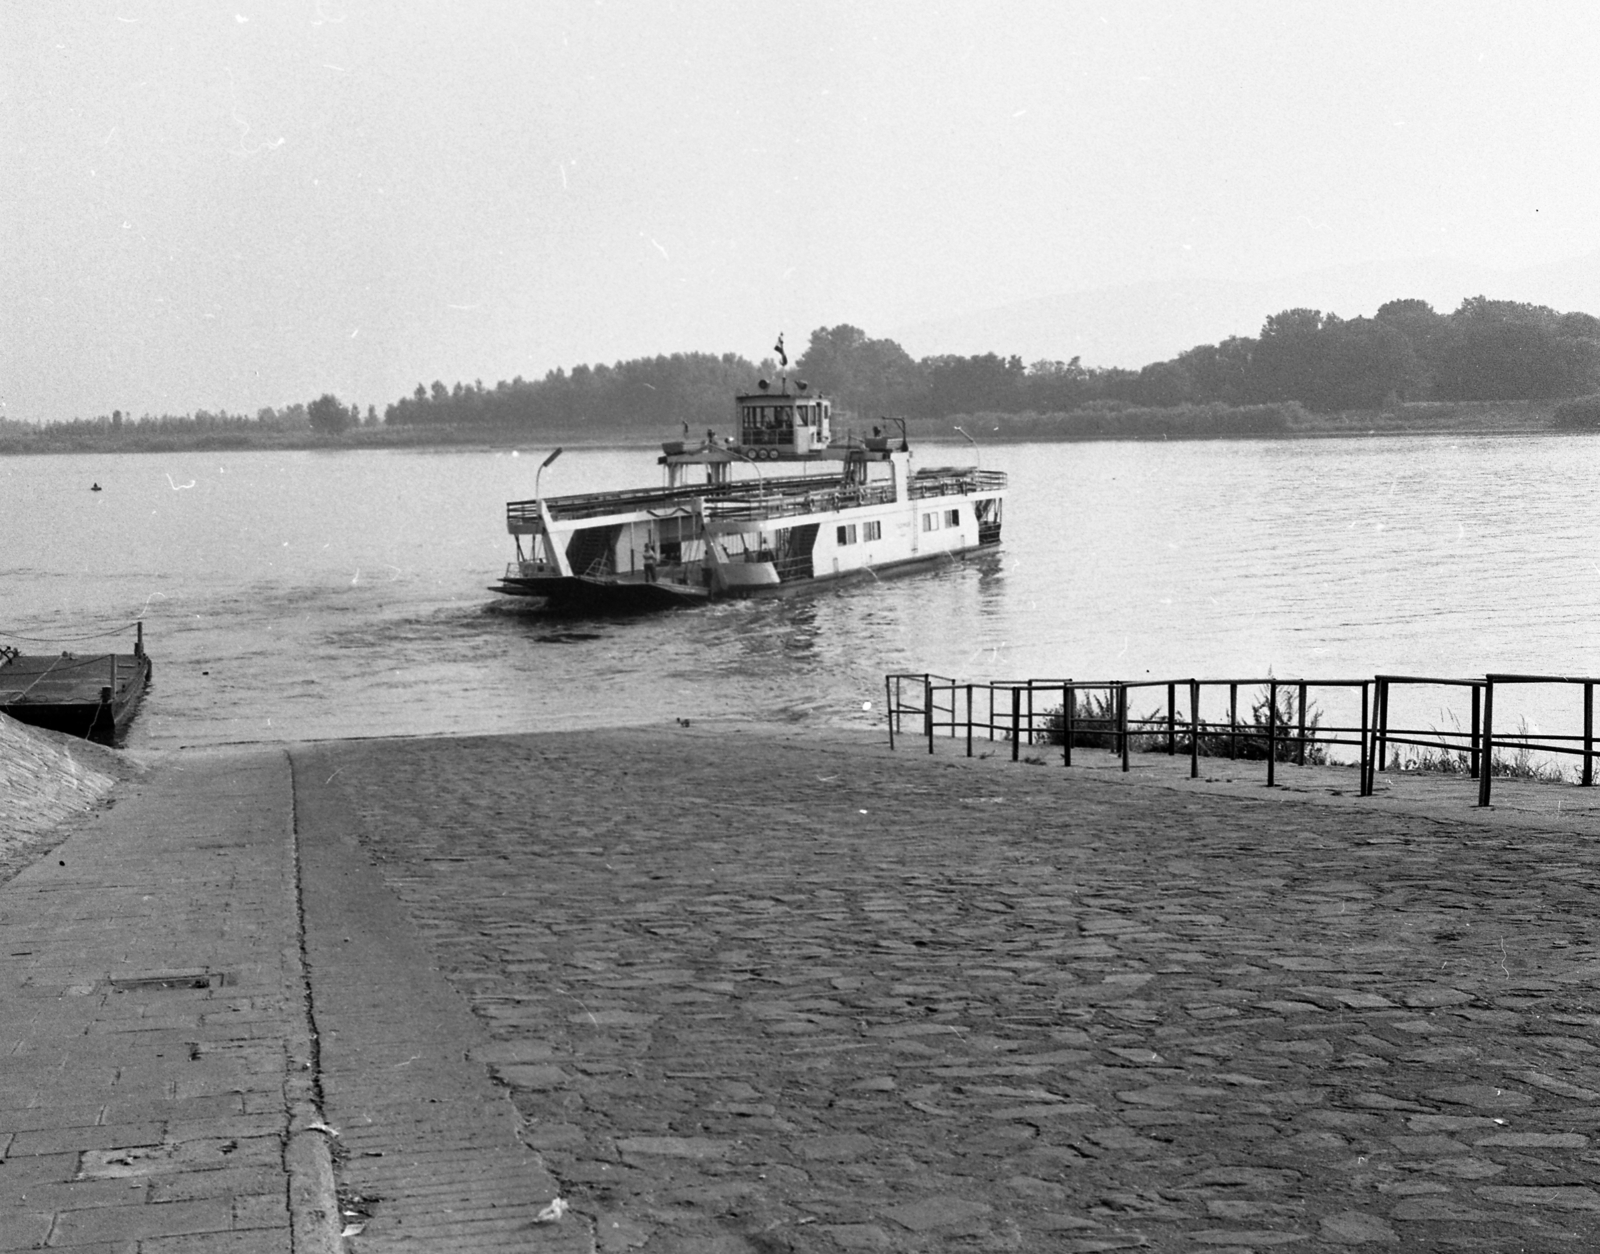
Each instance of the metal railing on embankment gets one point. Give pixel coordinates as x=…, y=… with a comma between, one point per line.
x=1283, y=724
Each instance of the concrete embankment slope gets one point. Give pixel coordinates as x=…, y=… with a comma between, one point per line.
x=741, y=989
x=46, y=778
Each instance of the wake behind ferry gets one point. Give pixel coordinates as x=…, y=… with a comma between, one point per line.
x=784, y=506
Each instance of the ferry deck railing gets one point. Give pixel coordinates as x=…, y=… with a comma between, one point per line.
x=598, y=504
x=802, y=497
x=1053, y=712
x=955, y=482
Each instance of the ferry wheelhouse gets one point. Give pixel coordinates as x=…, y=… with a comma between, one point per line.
x=785, y=505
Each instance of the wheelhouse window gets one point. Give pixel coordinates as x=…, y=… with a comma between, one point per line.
x=847, y=533
x=872, y=531
x=952, y=518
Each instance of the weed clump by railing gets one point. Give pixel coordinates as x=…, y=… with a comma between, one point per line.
x=1280, y=723
x=1248, y=739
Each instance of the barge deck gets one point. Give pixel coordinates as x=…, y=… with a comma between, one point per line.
x=94, y=695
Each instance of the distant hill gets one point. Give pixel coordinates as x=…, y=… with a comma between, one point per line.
x=1132, y=325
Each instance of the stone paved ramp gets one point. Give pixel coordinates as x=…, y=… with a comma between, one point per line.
x=758, y=993
x=155, y=1058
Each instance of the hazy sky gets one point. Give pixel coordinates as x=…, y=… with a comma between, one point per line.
x=235, y=204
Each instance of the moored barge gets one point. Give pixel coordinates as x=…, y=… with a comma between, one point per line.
x=94, y=696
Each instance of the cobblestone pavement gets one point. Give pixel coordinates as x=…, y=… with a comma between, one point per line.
x=755, y=992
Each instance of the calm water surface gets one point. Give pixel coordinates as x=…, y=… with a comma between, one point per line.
x=307, y=595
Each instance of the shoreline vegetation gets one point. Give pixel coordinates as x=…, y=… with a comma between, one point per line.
x=1103, y=422
x=1491, y=367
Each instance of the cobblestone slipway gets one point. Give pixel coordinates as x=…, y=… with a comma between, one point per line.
x=756, y=992
x=733, y=990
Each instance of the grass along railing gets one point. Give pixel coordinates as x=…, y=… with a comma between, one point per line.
x=1282, y=723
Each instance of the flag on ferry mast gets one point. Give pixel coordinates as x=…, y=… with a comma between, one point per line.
x=783, y=358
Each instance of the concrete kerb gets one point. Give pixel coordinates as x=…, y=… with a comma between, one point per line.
x=315, y=1222
x=430, y=1141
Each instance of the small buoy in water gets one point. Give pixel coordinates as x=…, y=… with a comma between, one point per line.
x=96, y=488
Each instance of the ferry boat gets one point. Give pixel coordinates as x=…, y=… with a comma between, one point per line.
x=785, y=505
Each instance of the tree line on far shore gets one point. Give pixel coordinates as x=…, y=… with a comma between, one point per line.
x=1487, y=350
x=1303, y=361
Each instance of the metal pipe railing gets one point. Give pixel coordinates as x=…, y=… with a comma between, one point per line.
x=1011, y=711
x=1098, y=712
x=1582, y=745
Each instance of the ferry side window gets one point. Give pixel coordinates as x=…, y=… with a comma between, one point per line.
x=952, y=518
x=847, y=533
x=930, y=522
x=872, y=531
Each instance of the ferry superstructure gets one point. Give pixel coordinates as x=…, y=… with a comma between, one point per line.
x=783, y=506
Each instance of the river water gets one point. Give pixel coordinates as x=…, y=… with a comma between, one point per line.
x=303, y=595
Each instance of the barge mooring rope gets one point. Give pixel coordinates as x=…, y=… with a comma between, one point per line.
x=94, y=635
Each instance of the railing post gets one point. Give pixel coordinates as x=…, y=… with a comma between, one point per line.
x=1588, y=732
x=1486, y=764
x=1380, y=726
x=889, y=703
x=1122, y=721
x=1272, y=731
x=1030, y=713
x=1233, y=721
x=1172, y=720
x=969, y=720
x=1476, y=755
x=1366, y=756
x=1016, y=721
x=1194, y=729
x=1300, y=756
x=927, y=709
x=1069, y=711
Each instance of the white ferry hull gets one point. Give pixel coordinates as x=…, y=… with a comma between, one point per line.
x=836, y=556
